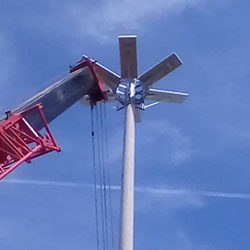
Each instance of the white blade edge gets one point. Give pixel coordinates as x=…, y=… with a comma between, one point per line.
x=108, y=77
x=128, y=56
x=167, y=96
x=160, y=70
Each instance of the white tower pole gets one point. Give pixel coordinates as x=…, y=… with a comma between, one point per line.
x=127, y=217
x=132, y=90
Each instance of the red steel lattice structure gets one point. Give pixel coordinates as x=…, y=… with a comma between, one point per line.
x=20, y=142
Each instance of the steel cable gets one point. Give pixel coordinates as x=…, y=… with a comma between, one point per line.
x=94, y=175
x=109, y=179
x=104, y=176
x=100, y=179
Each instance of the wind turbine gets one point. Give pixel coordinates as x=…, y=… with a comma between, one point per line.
x=21, y=141
x=131, y=91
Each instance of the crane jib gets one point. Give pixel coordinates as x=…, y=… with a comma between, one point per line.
x=20, y=136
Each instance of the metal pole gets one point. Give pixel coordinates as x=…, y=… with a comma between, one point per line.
x=127, y=217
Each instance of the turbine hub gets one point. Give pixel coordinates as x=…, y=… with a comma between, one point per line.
x=130, y=91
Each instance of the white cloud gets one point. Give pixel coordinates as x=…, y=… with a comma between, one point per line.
x=185, y=242
x=181, y=148
x=164, y=192
x=102, y=20
x=156, y=192
x=159, y=200
x=8, y=69
x=7, y=60
x=111, y=17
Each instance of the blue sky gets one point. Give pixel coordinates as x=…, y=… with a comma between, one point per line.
x=192, y=160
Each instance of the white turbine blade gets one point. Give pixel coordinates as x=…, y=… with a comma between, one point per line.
x=108, y=77
x=167, y=96
x=128, y=56
x=160, y=70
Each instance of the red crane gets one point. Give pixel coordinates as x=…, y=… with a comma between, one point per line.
x=21, y=139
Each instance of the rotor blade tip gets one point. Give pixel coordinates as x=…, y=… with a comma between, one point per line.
x=127, y=36
x=174, y=53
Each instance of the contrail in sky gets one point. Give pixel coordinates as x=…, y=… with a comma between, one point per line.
x=140, y=189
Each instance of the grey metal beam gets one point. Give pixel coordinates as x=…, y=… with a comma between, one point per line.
x=59, y=96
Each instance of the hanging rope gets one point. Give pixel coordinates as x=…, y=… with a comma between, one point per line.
x=101, y=185
x=104, y=175
x=102, y=182
x=95, y=185
x=109, y=179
